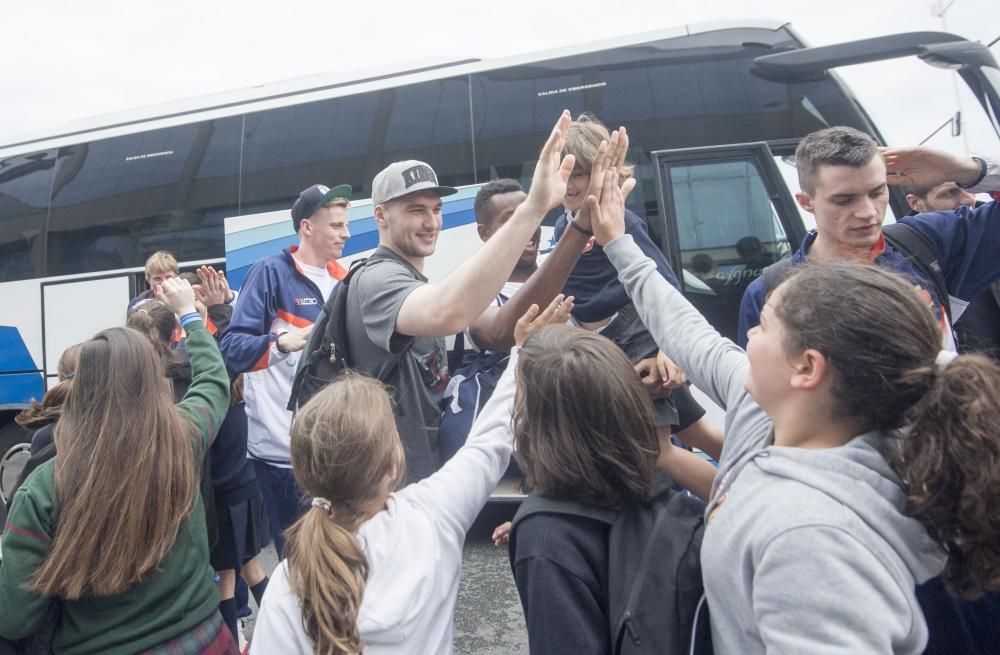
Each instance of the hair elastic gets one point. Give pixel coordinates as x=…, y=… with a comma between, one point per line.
x=323, y=504
x=944, y=358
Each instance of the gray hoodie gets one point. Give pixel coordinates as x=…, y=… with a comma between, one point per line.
x=806, y=550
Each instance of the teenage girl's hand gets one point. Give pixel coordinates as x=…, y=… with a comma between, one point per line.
x=927, y=167
x=548, y=184
x=608, y=213
x=177, y=294
x=501, y=536
x=558, y=311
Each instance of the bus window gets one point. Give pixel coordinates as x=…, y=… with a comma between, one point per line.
x=728, y=211
x=116, y=201
x=24, y=204
x=348, y=140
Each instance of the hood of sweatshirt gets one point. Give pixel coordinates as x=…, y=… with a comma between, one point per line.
x=858, y=476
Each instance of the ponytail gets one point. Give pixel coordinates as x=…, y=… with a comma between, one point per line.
x=346, y=453
x=950, y=465
x=327, y=571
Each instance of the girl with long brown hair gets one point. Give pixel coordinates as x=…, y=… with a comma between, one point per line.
x=859, y=458
x=237, y=522
x=113, y=527
x=369, y=569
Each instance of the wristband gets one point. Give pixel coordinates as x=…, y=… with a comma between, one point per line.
x=979, y=178
x=580, y=229
x=190, y=316
x=275, y=336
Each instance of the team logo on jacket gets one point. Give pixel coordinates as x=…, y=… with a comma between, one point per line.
x=299, y=302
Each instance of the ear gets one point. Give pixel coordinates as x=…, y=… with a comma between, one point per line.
x=805, y=202
x=305, y=227
x=483, y=231
x=380, y=216
x=810, y=370
x=915, y=202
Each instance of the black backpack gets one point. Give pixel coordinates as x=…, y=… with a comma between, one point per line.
x=904, y=238
x=656, y=598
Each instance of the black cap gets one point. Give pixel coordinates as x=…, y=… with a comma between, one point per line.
x=314, y=197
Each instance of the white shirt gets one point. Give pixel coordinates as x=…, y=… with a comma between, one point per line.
x=413, y=548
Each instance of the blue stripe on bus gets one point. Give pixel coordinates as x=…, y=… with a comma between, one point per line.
x=14, y=355
x=27, y=384
x=247, y=247
x=21, y=388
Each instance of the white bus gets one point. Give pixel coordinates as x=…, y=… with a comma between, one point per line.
x=713, y=111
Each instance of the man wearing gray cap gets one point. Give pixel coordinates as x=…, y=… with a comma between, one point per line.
x=396, y=320
x=279, y=301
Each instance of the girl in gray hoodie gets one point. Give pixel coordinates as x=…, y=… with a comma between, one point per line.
x=858, y=460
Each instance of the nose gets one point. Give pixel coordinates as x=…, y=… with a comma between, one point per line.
x=867, y=209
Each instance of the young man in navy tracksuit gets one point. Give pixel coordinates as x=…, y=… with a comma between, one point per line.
x=844, y=185
x=279, y=301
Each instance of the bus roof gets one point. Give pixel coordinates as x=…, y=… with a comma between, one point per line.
x=330, y=85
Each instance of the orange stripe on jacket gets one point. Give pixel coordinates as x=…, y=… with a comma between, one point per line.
x=292, y=319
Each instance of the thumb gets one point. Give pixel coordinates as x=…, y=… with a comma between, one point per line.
x=628, y=187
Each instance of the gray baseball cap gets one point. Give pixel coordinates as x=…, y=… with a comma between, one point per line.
x=405, y=177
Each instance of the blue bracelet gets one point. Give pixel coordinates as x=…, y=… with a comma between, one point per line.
x=190, y=316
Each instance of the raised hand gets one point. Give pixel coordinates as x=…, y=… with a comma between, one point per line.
x=548, y=184
x=608, y=213
x=177, y=294
x=558, y=311
x=609, y=155
x=925, y=167
x=214, y=289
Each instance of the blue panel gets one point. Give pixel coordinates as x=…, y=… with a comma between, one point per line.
x=14, y=355
x=21, y=388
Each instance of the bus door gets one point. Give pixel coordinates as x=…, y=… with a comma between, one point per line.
x=728, y=212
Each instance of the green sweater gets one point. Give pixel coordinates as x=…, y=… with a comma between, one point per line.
x=176, y=596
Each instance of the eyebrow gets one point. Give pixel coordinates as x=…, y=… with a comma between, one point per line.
x=851, y=195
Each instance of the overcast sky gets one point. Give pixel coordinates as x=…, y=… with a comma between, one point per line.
x=67, y=60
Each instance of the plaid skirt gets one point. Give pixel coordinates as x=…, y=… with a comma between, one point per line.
x=210, y=637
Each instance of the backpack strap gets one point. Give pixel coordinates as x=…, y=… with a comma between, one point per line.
x=922, y=254
x=538, y=504
x=774, y=274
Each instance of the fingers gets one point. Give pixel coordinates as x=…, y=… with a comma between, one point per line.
x=554, y=144
x=619, y=148
x=627, y=188
x=593, y=206
x=551, y=309
x=662, y=364
x=566, y=167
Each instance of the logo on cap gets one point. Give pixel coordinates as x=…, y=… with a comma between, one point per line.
x=417, y=174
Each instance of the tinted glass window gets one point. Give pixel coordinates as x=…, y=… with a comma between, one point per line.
x=348, y=140
x=25, y=181
x=118, y=200
x=675, y=93
x=728, y=230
